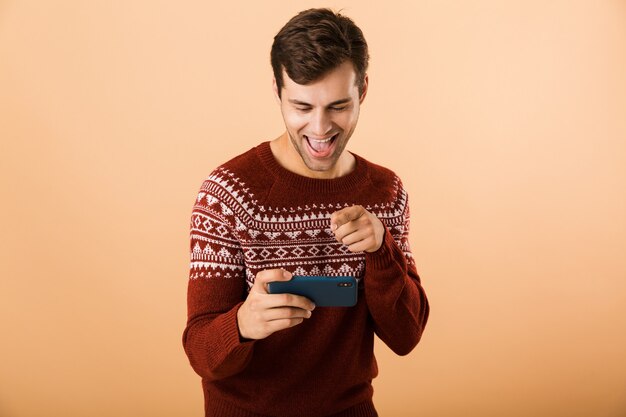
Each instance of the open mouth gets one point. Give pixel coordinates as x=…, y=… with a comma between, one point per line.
x=321, y=148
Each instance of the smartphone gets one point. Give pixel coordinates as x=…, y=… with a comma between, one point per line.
x=322, y=290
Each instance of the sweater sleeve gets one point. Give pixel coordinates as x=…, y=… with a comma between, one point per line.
x=216, y=288
x=393, y=291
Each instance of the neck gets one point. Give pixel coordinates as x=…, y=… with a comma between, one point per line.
x=289, y=158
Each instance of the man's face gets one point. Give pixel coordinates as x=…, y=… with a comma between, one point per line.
x=320, y=117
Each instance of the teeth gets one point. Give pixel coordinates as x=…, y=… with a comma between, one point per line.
x=322, y=140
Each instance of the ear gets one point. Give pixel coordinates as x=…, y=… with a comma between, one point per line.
x=275, y=89
x=364, y=93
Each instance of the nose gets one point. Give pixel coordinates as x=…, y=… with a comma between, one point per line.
x=320, y=123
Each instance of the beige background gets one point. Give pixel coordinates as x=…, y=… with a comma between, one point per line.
x=505, y=119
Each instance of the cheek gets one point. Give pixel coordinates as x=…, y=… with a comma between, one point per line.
x=294, y=120
x=346, y=120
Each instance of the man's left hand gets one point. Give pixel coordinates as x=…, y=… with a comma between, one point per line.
x=358, y=229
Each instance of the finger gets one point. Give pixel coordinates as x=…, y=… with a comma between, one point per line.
x=362, y=245
x=343, y=216
x=346, y=229
x=355, y=236
x=288, y=300
x=281, y=313
x=276, y=325
x=268, y=275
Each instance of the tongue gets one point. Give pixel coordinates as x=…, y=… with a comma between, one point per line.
x=320, y=146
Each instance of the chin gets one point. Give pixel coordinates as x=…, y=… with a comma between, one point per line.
x=321, y=166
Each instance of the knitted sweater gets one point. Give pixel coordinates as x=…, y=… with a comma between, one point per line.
x=252, y=214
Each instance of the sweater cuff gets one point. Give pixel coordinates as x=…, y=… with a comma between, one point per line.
x=383, y=257
x=230, y=331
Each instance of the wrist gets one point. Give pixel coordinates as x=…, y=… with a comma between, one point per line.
x=242, y=333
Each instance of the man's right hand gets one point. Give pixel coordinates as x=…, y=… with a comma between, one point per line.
x=263, y=314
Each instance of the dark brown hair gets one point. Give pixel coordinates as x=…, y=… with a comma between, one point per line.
x=315, y=42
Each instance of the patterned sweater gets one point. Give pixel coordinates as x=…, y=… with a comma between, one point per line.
x=252, y=214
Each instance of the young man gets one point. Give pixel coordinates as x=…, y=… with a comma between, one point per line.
x=301, y=205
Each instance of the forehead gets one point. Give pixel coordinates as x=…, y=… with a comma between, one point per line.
x=337, y=84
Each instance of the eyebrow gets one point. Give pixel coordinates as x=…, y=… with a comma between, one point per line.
x=334, y=103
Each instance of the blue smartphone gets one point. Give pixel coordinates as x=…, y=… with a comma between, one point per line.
x=323, y=291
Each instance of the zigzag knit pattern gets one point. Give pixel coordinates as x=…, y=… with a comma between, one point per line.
x=231, y=233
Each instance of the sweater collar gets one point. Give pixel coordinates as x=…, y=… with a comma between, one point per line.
x=347, y=183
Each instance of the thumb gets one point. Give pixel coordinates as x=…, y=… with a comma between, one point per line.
x=269, y=275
